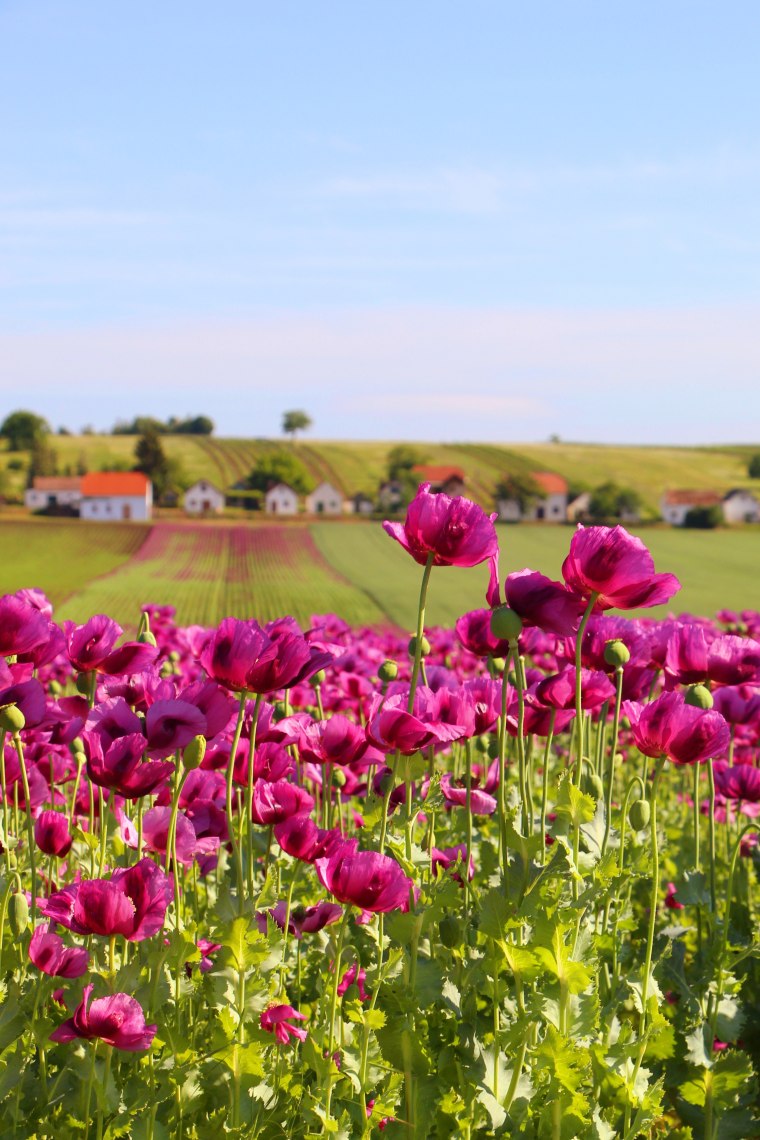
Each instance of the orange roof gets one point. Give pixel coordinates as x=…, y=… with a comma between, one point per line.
x=100, y=483
x=550, y=483
x=437, y=474
x=692, y=498
x=56, y=482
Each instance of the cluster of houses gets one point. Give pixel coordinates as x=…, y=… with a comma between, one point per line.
x=109, y=496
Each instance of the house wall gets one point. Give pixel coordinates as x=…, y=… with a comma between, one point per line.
x=675, y=513
x=281, y=501
x=114, y=508
x=508, y=510
x=37, y=500
x=324, y=501
x=201, y=493
x=741, y=508
x=553, y=508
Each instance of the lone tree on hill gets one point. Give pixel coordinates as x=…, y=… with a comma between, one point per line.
x=753, y=467
x=152, y=461
x=23, y=429
x=293, y=422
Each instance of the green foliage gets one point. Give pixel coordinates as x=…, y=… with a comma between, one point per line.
x=753, y=467
x=151, y=460
x=140, y=425
x=610, y=502
x=295, y=421
x=703, y=518
x=23, y=429
x=402, y=458
x=280, y=467
x=519, y=487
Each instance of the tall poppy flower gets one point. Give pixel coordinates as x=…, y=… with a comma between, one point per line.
x=366, y=879
x=669, y=727
x=456, y=532
x=118, y=1020
x=617, y=567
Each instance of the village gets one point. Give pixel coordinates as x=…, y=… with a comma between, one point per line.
x=109, y=496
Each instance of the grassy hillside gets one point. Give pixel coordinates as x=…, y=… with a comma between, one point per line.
x=361, y=466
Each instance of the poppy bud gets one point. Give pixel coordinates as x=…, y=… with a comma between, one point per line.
x=80, y=758
x=699, y=696
x=638, y=815
x=450, y=931
x=83, y=684
x=55, y=689
x=279, y=711
x=76, y=745
x=385, y=783
x=506, y=625
x=18, y=913
x=388, y=671
x=11, y=718
x=482, y=744
x=425, y=646
x=339, y=778
x=592, y=785
x=193, y=753
x=319, y=677
x=166, y=670
x=616, y=653
x=147, y=638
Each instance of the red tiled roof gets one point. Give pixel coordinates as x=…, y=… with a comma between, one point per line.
x=437, y=474
x=550, y=483
x=100, y=483
x=692, y=498
x=57, y=482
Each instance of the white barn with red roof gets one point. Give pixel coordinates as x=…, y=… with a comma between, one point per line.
x=550, y=504
x=112, y=496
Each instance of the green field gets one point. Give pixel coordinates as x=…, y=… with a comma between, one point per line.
x=361, y=466
x=263, y=570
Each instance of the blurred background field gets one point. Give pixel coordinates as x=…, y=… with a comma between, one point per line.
x=263, y=570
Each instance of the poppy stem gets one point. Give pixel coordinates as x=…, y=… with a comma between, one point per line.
x=333, y=1009
x=228, y=801
x=579, y=687
x=29, y=825
x=711, y=831
x=420, y=627
x=613, y=754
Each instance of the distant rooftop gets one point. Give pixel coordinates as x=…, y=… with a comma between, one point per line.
x=99, y=483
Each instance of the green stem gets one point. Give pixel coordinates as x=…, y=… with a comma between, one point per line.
x=711, y=831
x=228, y=802
x=613, y=754
x=420, y=627
x=29, y=825
x=249, y=793
x=579, y=686
x=333, y=1010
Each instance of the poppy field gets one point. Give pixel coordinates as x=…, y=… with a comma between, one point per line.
x=319, y=879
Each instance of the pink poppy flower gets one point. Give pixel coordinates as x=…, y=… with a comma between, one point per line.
x=119, y=765
x=558, y=691
x=49, y=954
x=457, y=532
x=300, y=837
x=303, y=920
x=366, y=879
x=354, y=976
x=277, y=1019
x=244, y=657
x=537, y=600
x=22, y=626
x=685, y=734
x=671, y=902
x=133, y=902
x=51, y=833
x=91, y=647
x=118, y=1020
x=172, y=724
x=617, y=566
x=273, y=803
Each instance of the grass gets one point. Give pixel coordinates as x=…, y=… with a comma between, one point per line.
x=210, y=572
x=58, y=555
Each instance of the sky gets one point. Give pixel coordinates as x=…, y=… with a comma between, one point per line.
x=470, y=221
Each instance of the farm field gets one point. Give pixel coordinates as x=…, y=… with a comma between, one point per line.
x=361, y=466
x=355, y=569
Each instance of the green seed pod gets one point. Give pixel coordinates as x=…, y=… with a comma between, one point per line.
x=279, y=711
x=506, y=625
x=699, y=696
x=80, y=758
x=638, y=815
x=193, y=753
x=18, y=913
x=11, y=718
x=166, y=670
x=482, y=744
x=54, y=688
x=147, y=638
x=319, y=677
x=174, y=657
x=413, y=646
x=388, y=671
x=83, y=684
x=450, y=931
x=616, y=653
x=592, y=785
x=339, y=778
x=498, y=664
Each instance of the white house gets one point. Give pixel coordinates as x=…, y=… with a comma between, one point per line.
x=324, y=500
x=281, y=500
x=675, y=505
x=443, y=480
x=51, y=492
x=549, y=506
x=577, y=508
x=203, y=498
x=108, y=496
x=361, y=504
x=741, y=506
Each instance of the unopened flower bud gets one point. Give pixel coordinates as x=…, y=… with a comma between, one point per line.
x=193, y=753
x=616, y=653
x=147, y=638
x=388, y=671
x=339, y=778
x=80, y=758
x=592, y=785
x=18, y=913
x=699, y=696
x=54, y=688
x=506, y=625
x=83, y=684
x=638, y=815
x=482, y=743
x=166, y=670
x=11, y=718
x=450, y=930
x=425, y=646
x=77, y=745
x=279, y=711
x=499, y=663
x=319, y=677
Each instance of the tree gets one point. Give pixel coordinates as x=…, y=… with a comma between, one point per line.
x=43, y=460
x=522, y=489
x=293, y=422
x=753, y=468
x=703, y=518
x=195, y=425
x=152, y=461
x=23, y=429
x=279, y=467
x=402, y=458
x=611, y=501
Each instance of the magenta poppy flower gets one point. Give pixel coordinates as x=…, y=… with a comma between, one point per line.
x=671, y=902
x=615, y=565
x=118, y=1020
x=391, y=727
x=246, y=658
x=91, y=648
x=334, y=741
x=27, y=696
x=443, y=860
x=277, y=1020
x=133, y=902
x=300, y=837
x=366, y=879
x=474, y=632
x=455, y=794
x=121, y=766
x=22, y=626
x=559, y=689
x=172, y=724
x=273, y=803
x=457, y=532
x=737, y=782
x=303, y=920
x=355, y=975
x=685, y=734
x=51, y=833
x=48, y=953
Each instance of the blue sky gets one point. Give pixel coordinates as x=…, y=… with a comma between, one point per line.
x=429, y=220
